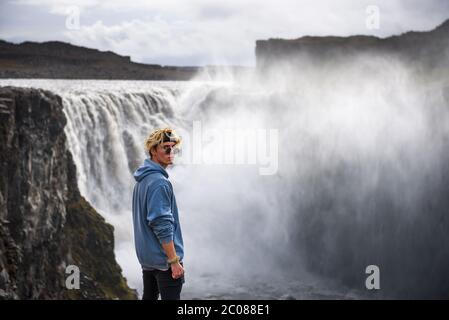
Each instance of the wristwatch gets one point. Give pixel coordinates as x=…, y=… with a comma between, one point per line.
x=174, y=260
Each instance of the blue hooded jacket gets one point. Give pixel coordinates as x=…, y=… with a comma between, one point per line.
x=155, y=216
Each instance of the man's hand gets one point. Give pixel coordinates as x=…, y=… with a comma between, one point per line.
x=176, y=268
x=177, y=271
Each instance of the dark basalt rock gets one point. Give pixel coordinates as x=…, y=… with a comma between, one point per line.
x=60, y=60
x=45, y=224
x=423, y=50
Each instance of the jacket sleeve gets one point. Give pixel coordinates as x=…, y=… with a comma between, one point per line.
x=159, y=216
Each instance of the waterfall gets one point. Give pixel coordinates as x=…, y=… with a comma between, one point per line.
x=106, y=129
x=361, y=178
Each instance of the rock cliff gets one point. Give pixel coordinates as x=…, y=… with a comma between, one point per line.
x=45, y=224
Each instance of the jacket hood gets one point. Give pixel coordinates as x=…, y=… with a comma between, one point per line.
x=149, y=167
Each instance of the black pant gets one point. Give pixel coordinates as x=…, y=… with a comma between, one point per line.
x=157, y=281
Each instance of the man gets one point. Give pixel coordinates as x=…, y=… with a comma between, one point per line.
x=157, y=231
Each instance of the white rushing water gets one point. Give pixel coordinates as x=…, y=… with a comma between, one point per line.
x=220, y=205
x=329, y=162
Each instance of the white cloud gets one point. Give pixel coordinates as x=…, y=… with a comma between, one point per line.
x=207, y=32
x=157, y=39
x=58, y=6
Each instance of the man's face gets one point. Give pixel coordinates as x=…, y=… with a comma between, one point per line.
x=164, y=153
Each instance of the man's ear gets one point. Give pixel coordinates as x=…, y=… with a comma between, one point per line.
x=152, y=150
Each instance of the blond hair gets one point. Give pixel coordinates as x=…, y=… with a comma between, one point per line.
x=157, y=137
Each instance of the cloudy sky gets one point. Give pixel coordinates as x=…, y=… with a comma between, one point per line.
x=201, y=32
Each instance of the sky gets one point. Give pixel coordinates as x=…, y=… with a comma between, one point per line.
x=207, y=32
